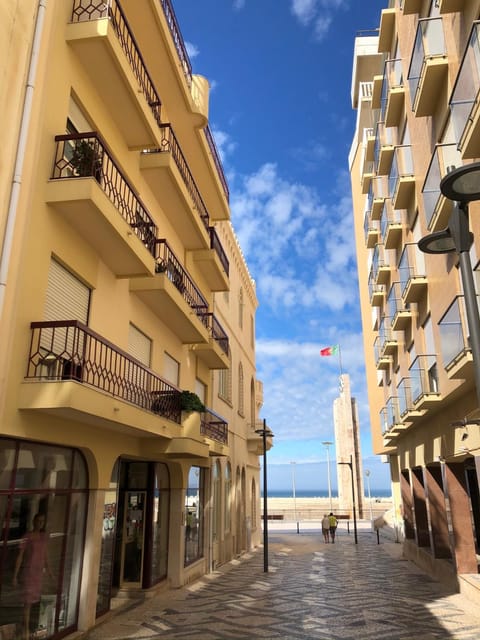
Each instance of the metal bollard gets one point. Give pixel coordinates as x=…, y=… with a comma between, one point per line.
x=348, y=527
x=378, y=536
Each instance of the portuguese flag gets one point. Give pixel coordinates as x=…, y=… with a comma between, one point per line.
x=329, y=351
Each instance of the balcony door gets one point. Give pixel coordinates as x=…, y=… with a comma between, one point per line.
x=133, y=539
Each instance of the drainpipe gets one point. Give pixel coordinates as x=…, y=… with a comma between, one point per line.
x=20, y=155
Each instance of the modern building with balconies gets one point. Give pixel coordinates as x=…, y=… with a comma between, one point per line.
x=422, y=67
x=128, y=395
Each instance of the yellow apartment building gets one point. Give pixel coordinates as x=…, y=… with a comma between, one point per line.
x=415, y=88
x=129, y=459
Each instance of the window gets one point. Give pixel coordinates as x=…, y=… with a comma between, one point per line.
x=241, y=391
x=241, y=306
x=139, y=345
x=228, y=497
x=171, y=369
x=217, y=500
x=194, y=515
x=225, y=384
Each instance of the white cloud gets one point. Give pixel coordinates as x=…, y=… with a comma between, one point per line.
x=192, y=50
x=317, y=13
x=238, y=4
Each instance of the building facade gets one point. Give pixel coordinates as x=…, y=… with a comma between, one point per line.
x=415, y=88
x=128, y=398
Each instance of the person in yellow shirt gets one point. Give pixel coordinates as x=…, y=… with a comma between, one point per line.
x=333, y=526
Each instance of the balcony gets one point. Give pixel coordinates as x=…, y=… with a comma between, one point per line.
x=428, y=66
x=387, y=28
x=187, y=68
x=399, y=312
x=172, y=295
x=215, y=428
x=450, y=6
x=393, y=93
x=381, y=270
x=411, y=6
x=376, y=291
x=213, y=263
x=383, y=152
x=392, y=224
x=383, y=361
x=437, y=207
x=371, y=229
x=377, y=193
x=402, y=177
x=412, y=273
x=88, y=190
x=454, y=341
x=77, y=374
x=408, y=412
x=168, y=175
x=369, y=143
x=214, y=353
x=390, y=416
x=388, y=342
x=464, y=103
x=255, y=440
x=424, y=382
x=102, y=40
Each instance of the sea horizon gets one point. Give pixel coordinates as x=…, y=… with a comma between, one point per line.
x=320, y=493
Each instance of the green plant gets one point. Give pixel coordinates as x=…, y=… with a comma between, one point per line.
x=189, y=401
x=86, y=159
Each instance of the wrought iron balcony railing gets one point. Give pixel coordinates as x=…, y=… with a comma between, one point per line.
x=170, y=145
x=214, y=427
x=81, y=155
x=69, y=350
x=216, y=245
x=216, y=331
x=86, y=10
x=167, y=262
x=187, y=71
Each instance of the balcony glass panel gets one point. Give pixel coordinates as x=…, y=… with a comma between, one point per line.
x=392, y=79
x=373, y=287
x=453, y=331
x=384, y=137
x=467, y=85
x=409, y=266
x=402, y=167
x=395, y=302
x=392, y=411
x=378, y=259
x=404, y=394
x=445, y=157
x=423, y=376
x=429, y=43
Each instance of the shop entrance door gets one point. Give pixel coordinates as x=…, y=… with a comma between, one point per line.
x=133, y=539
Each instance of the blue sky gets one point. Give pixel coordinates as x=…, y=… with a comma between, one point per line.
x=280, y=109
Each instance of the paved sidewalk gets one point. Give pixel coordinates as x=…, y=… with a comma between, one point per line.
x=313, y=590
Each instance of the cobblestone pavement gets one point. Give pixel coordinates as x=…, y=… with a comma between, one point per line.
x=338, y=591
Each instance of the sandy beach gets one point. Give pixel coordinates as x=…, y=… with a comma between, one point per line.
x=315, y=508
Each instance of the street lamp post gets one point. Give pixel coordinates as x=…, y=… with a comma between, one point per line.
x=350, y=464
x=264, y=432
x=327, y=445
x=462, y=185
x=367, y=473
x=294, y=496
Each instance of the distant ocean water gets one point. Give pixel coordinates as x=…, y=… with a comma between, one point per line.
x=320, y=493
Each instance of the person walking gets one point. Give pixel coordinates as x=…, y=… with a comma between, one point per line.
x=333, y=526
x=326, y=528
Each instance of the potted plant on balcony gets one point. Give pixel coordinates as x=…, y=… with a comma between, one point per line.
x=189, y=402
x=87, y=159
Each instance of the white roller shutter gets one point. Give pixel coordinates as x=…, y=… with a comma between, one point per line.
x=139, y=345
x=67, y=297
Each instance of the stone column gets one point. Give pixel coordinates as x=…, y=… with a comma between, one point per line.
x=463, y=538
x=438, y=512
x=420, y=508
